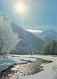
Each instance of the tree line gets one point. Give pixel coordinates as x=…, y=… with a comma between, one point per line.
x=50, y=48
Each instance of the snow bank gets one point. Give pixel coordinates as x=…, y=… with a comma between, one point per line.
x=9, y=60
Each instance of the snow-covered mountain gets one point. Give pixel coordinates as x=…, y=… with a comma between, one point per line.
x=48, y=36
x=29, y=41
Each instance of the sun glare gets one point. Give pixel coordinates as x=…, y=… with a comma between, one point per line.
x=21, y=8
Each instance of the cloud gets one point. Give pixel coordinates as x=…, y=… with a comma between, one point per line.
x=34, y=31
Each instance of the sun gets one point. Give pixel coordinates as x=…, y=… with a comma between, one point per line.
x=21, y=8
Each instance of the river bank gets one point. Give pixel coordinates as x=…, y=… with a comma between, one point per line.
x=32, y=67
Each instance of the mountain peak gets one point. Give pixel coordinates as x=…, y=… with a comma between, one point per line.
x=48, y=35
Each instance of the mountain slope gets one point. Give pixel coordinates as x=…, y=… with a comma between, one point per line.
x=29, y=40
x=48, y=36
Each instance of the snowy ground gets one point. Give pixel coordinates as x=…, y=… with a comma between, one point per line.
x=49, y=72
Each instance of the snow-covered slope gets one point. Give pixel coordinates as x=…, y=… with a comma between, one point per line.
x=29, y=40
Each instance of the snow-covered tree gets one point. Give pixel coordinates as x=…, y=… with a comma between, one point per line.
x=56, y=49
x=8, y=38
x=45, y=49
x=52, y=47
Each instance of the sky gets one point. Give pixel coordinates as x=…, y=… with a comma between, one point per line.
x=36, y=15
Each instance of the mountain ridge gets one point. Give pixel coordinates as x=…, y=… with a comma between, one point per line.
x=28, y=40
x=48, y=36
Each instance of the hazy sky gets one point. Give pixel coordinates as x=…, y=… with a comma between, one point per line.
x=38, y=15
